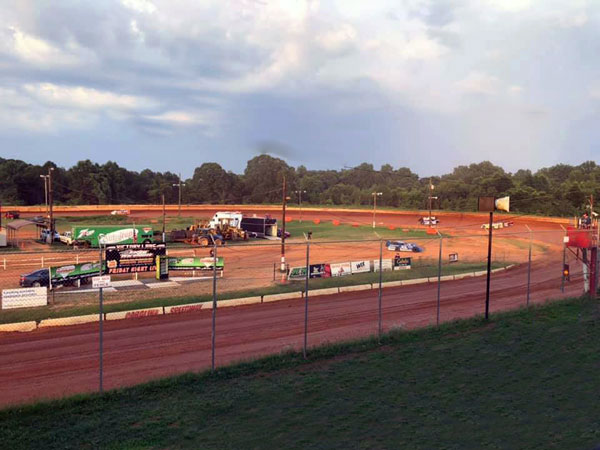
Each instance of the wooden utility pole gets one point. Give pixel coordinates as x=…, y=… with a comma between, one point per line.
x=284, y=202
x=45, y=177
x=179, y=185
x=164, y=219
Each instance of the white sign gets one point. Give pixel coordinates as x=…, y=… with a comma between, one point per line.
x=24, y=297
x=566, y=239
x=341, y=269
x=385, y=263
x=360, y=266
x=101, y=282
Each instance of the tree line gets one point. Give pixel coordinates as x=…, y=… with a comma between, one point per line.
x=560, y=190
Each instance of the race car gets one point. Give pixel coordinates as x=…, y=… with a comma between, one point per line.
x=429, y=220
x=497, y=225
x=401, y=246
x=120, y=212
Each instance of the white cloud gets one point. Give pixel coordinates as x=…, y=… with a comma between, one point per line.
x=21, y=112
x=34, y=50
x=206, y=122
x=594, y=91
x=80, y=97
x=339, y=39
x=141, y=6
x=183, y=118
x=514, y=90
x=479, y=83
x=510, y=5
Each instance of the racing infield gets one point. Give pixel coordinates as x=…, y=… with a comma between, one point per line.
x=53, y=362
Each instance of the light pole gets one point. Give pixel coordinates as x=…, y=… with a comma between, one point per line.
x=179, y=185
x=431, y=187
x=45, y=177
x=375, y=195
x=51, y=204
x=300, y=201
x=283, y=206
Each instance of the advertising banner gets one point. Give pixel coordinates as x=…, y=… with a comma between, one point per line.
x=341, y=269
x=297, y=273
x=402, y=263
x=130, y=258
x=24, y=297
x=196, y=263
x=387, y=264
x=72, y=272
x=360, y=266
x=320, y=271
x=316, y=271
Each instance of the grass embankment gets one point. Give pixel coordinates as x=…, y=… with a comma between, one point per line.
x=420, y=269
x=528, y=379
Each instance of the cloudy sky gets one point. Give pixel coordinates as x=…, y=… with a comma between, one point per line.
x=170, y=84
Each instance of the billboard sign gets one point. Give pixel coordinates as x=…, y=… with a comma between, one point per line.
x=386, y=264
x=360, y=266
x=297, y=273
x=73, y=272
x=402, y=263
x=24, y=297
x=341, y=269
x=320, y=271
x=196, y=263
x=131, y=258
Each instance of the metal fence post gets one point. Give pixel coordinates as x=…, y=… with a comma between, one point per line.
x=529, y=265
x=379, y=324
x=101, y=321
x=214, y=308
x=439, y=283
x=306, y=299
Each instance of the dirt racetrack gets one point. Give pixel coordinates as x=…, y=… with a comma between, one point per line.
x=52, y=362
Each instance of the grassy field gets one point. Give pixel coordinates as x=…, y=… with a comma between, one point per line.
x=171, y=223
x=328, y=231
x=324, y=230
x=527, y=380
x=420, y=269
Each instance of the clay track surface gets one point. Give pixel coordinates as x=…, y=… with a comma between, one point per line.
x=54, y=362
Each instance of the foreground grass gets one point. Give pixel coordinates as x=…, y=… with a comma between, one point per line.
x=421, y=269
x=528, y=379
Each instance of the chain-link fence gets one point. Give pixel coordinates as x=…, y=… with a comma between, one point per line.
x=231, y=303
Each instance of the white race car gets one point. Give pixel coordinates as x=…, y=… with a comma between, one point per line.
x=429, y=220
x=497, y=225
x=120, y=212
